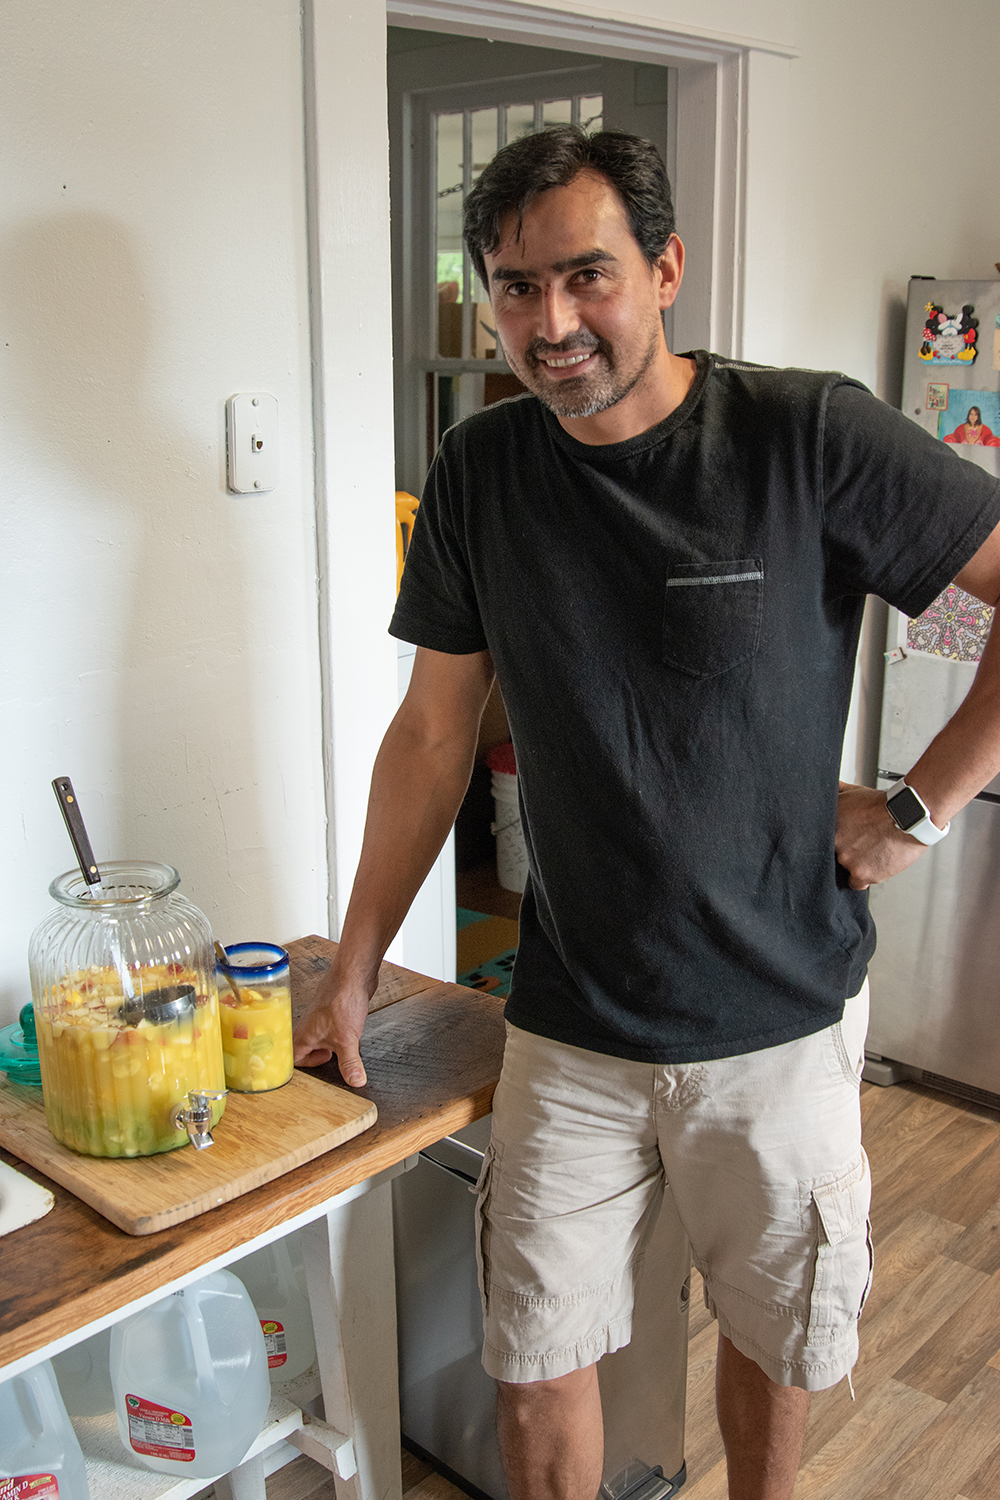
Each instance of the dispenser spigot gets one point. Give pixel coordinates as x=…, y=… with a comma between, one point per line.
x=196, y=1116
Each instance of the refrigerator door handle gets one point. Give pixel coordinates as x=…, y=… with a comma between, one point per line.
x=455, y=1157
x=898, y=775
x=452, y=1171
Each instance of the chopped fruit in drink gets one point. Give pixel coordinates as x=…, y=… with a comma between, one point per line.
x=258, y=1045
x=110, y=1088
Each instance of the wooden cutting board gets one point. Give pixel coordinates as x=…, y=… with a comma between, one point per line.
x=259, y=1137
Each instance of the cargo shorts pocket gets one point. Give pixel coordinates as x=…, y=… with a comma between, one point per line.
x=711, y=615
x=843, y=1270
x=483, y=1190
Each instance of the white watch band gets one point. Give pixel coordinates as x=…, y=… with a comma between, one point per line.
x=926, y=831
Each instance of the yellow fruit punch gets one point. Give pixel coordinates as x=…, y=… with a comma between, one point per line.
x=111, y=1085
x=257, y=1039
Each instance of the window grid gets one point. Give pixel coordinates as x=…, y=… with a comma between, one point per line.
x=450, y=261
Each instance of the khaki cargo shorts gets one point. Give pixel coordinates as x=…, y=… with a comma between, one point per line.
x=763, y=1155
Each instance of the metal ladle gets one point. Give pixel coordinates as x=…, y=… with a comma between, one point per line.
x=160, y=1006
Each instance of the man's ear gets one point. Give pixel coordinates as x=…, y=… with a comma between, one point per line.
x=670, y=271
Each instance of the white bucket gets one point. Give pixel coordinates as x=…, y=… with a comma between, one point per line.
x=512, y=856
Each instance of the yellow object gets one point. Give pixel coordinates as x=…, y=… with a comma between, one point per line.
x=406, y=514
x=257, y=1039
x=111, y=1087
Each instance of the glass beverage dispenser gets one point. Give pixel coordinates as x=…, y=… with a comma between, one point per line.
x=124, y=991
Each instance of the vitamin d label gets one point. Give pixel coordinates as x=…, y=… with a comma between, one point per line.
x=30, y=1487
x=158, y=1432
x=274, y=1340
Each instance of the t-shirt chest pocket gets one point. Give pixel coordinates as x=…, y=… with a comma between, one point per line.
x=711, y=615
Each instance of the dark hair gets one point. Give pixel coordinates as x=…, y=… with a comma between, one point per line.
x=978, y=414
x=552, y=158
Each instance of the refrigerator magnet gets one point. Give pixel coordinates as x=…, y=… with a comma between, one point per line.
x=971, y=419
x=948, y=338
x=937, y=396
x=996, y=343
x=955, y=626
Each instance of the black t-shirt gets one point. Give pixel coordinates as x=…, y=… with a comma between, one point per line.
x=674, y=621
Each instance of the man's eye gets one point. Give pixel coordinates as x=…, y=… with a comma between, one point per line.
x=518, y=288
x=588, y=275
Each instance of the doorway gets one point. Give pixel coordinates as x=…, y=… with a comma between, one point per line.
x=453, y=102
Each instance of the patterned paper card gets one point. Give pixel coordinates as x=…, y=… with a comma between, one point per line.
x=955, y=626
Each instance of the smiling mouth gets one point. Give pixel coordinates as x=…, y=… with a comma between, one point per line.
x=563, y=361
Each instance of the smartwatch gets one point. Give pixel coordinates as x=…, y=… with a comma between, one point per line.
x=908, y=811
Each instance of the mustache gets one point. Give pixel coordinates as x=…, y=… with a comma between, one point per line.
x=538, y=349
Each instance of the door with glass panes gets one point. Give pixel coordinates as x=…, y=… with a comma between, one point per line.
x=449, y=364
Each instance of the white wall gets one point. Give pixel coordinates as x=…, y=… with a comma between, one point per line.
x=894, y=166
x=160, y=636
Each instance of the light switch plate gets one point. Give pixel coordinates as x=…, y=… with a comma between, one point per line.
x=252, y=442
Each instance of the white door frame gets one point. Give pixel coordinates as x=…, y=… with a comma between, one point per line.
x=730, y=179
x=347, y=202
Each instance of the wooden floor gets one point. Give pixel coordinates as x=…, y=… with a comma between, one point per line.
x=926, y=1421
x=480, y=890
x=305, y=1480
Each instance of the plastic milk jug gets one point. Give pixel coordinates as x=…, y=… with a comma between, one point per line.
x=40, y=1458
x=84, y=1376
x=275, y=1277
x=190, y=1379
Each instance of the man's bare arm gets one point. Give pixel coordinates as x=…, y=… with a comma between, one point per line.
x=961, y=759
x=420, y=777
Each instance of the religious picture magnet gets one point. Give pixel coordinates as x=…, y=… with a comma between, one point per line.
x=949, y=338
x=971, y=419
x=937, y=396
x=996, y=343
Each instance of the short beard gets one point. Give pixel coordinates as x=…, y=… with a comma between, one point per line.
x=584, y=395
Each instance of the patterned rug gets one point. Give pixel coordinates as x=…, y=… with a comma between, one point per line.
x=487, y=947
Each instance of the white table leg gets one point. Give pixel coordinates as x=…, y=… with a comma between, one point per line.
x=352, y=1295
x=243, y=1483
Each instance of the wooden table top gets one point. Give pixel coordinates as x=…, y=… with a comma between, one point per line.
x=433, y=1053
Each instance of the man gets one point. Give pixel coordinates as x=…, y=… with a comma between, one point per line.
x=664, y=558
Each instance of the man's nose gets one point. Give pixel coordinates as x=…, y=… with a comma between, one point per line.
x=559, y=316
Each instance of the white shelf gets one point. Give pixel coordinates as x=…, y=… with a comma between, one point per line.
x=302, y=1389
x=349, y=1260
x=114, y=1474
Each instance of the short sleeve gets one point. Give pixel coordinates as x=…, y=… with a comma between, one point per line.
x=437, y=605
x=903, y=512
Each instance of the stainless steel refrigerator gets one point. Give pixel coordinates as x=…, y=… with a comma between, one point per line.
x=935, y=977
x=446, y=1398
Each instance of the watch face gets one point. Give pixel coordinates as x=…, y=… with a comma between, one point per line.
x=907, y=809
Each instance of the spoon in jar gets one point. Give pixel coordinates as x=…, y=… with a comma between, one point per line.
x=223, y=958
x=73, y=818
x=169, y=1002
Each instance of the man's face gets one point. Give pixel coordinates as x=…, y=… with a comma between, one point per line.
x=576, y=304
